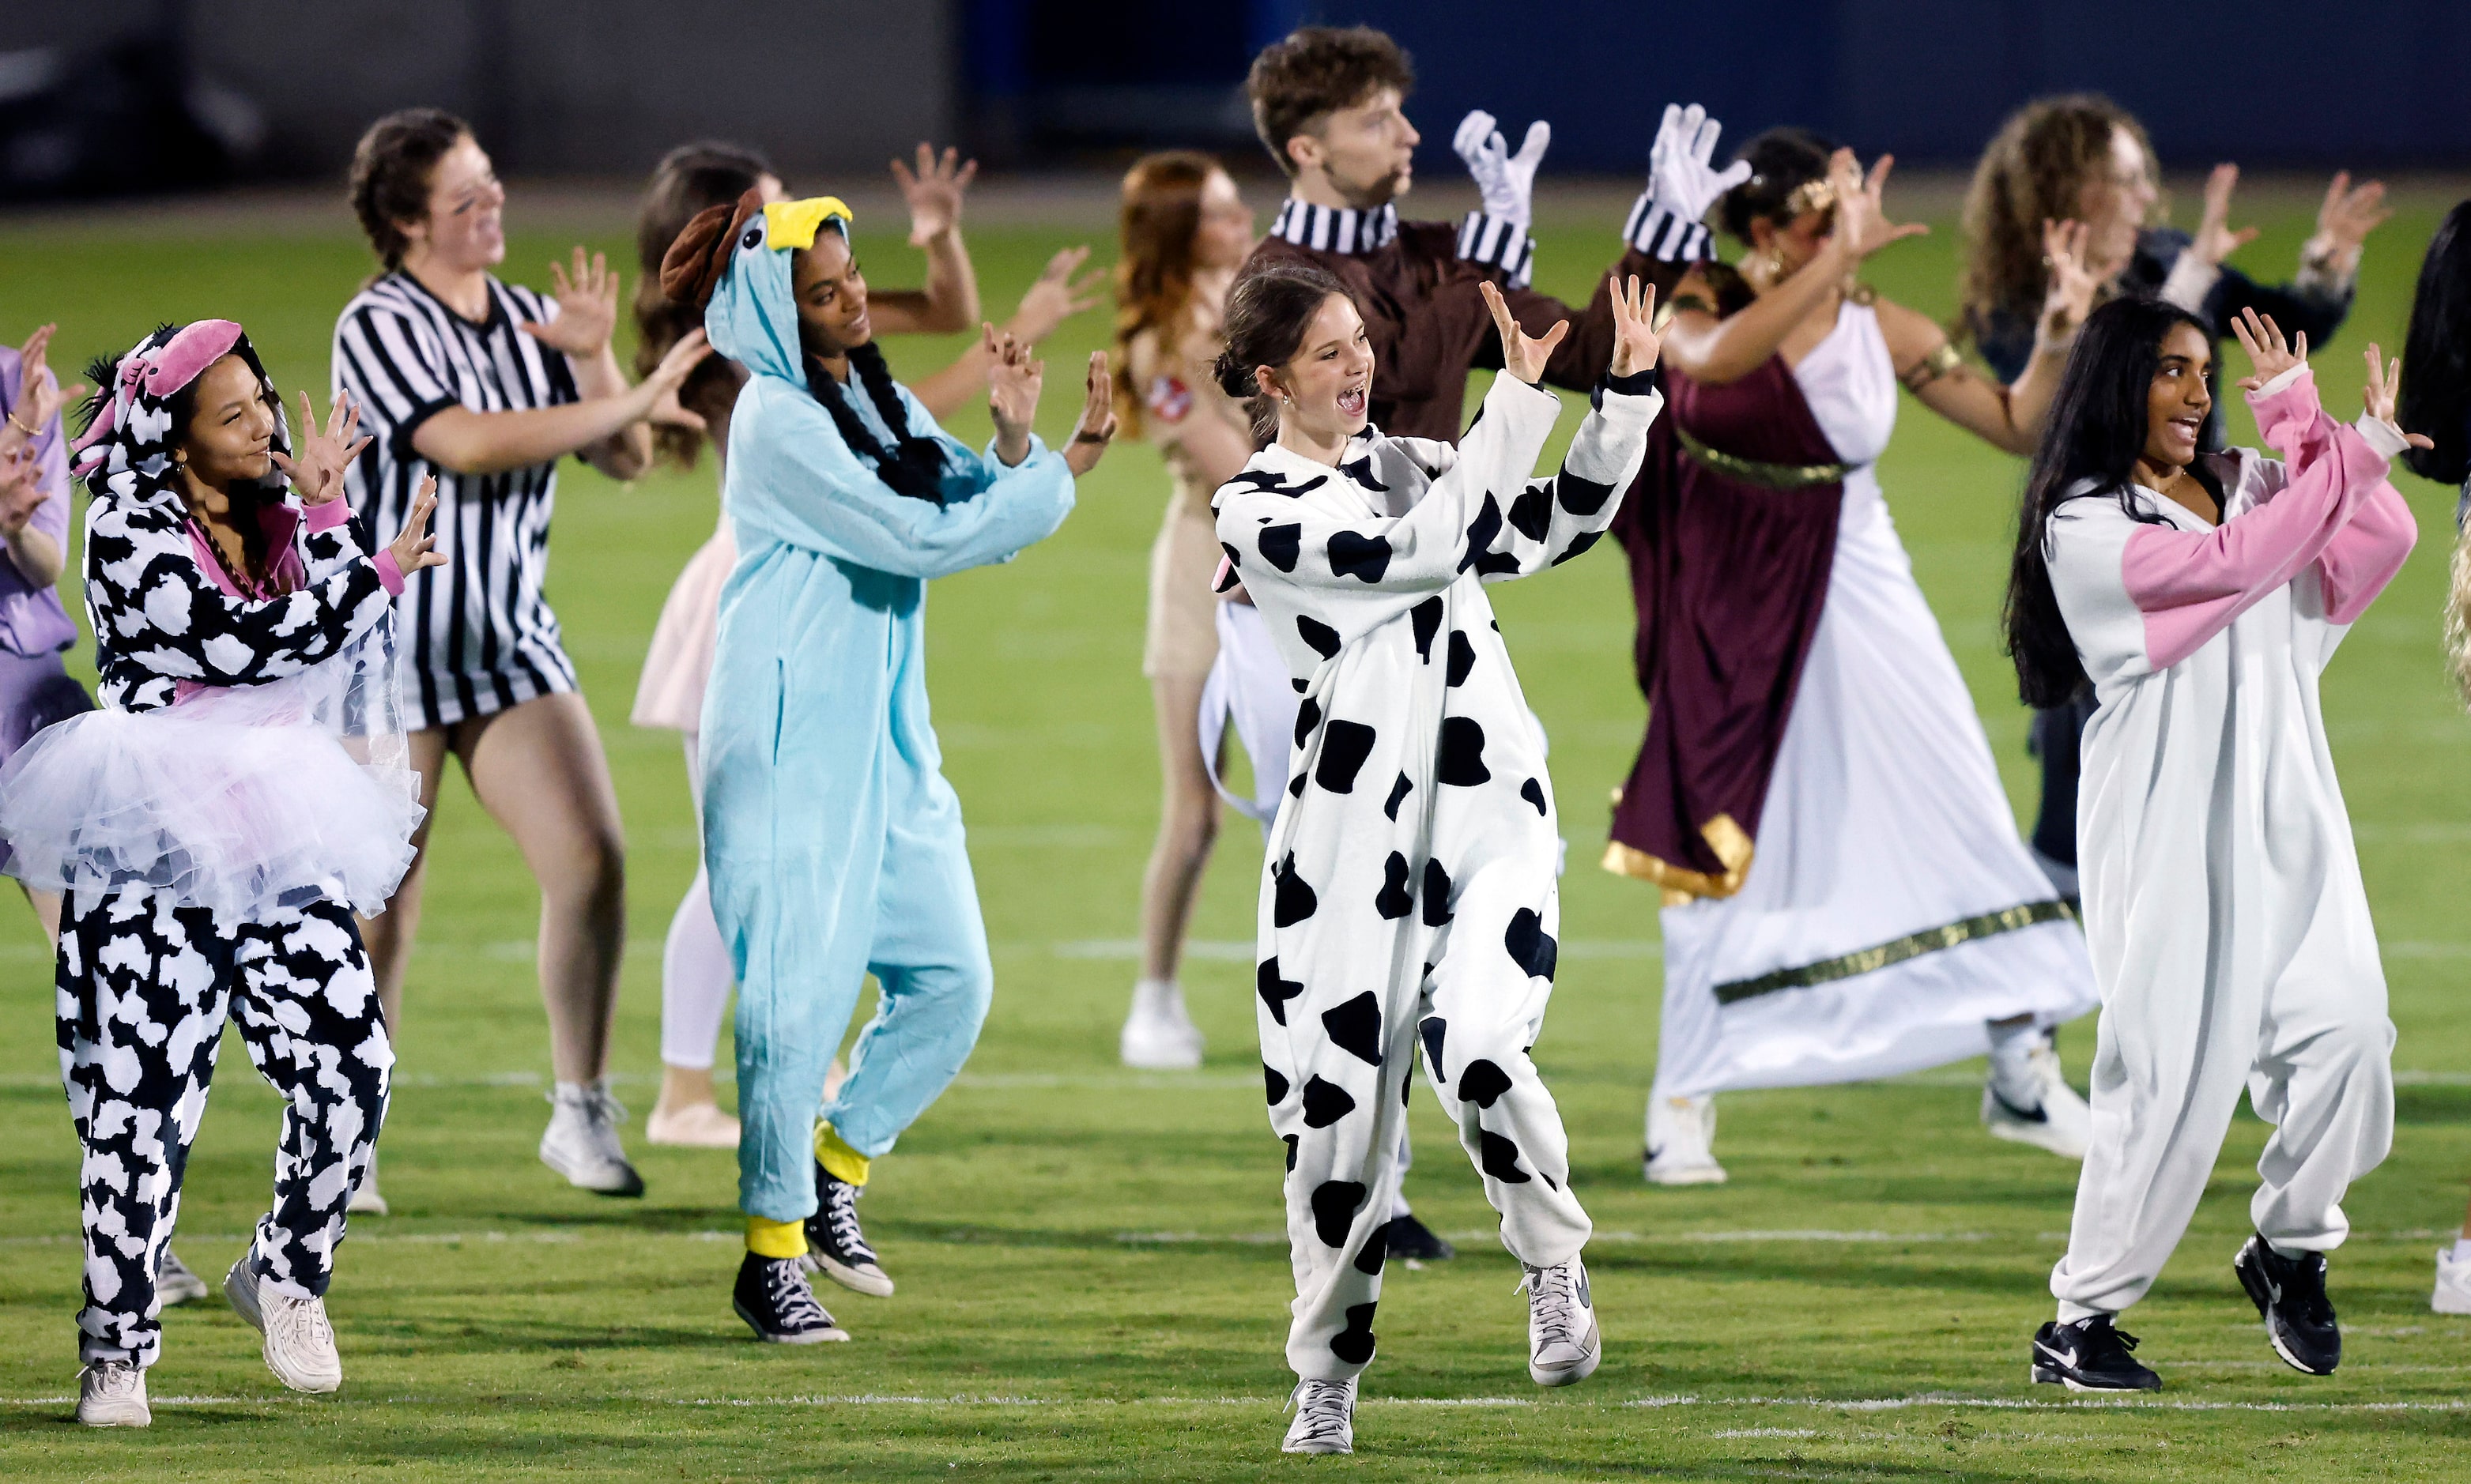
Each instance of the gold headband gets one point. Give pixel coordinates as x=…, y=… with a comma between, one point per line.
x=1810, y=196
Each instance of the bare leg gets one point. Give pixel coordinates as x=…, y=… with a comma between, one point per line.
x=538, y=769
x=389, y=935
x=1187, y=826
x=47, y=911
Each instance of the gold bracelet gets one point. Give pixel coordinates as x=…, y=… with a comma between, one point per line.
x=1931, y=368
x=31, y=433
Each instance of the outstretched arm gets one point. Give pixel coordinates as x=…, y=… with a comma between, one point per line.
x=2190, y=586
x=949, y=302
x=803, y=485
x=1718, y=350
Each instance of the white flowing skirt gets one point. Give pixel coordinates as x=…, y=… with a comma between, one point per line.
x=1891, y=907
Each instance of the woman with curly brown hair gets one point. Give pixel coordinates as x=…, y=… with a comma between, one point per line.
x=2081, y=156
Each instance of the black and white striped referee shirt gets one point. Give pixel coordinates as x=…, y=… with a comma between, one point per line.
x=477, y=636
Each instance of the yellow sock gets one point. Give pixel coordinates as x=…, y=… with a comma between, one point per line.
x=838, y=1159
x=776, y=1239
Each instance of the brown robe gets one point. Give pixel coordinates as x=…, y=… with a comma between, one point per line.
x=1429, y=326
x=1728, y=572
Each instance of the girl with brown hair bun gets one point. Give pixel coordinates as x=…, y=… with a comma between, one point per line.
x=1845, y=892
x=1185, y=232
x=485, y=386
x=696, y=973
x=1411, y=895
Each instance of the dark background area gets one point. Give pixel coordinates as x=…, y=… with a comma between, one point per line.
x=117, y=97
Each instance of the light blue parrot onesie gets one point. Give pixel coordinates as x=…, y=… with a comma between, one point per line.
x=834, y=843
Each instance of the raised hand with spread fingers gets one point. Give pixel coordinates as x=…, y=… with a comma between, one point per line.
x=1097, y=428
x=587, y=306
x=1680, y=176
x=2384, y=386
x=1013, y=384
x=2269, y=355
x=1507, y=181
x=316, y=470
x=1635, y=344
x=2068, y=295
x=1522, y=355
x=415, y=546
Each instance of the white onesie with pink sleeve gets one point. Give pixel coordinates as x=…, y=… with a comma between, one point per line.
x=2224, y=907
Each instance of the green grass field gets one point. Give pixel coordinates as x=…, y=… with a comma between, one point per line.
x=1093, y=1276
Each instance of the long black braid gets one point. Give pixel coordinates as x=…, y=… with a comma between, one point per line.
x=915, y=465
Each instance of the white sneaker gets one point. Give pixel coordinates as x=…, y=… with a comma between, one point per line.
x=1324, y=1418
x=582, y=1140
x=2453, y=1295
x=299, y=1343
x=1159, y=1035
x=1562, y=1343
x=2062, y=1122
x=1680, y=1140
x=695, y=1125
x=113, y=1394
x=365, y=1199
x=174, y=1284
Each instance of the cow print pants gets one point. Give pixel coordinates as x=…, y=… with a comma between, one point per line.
x=144, y=988
x=1340, y=1067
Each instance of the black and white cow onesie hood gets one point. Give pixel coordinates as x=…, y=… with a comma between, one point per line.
x=1409, y=894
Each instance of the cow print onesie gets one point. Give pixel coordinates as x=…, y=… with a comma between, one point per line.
x=1409, y=894
x=146, y=979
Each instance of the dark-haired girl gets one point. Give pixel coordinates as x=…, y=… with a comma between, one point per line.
x=2200, y=596
x=483, y=386
x=696, y=971
x=1409, y=894
x=213, y=831
x=2438, y=398
x=833, y=843
x=2080, y=157
x=1845, y=896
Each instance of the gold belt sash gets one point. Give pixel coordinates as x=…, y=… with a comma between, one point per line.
x=1767, y=476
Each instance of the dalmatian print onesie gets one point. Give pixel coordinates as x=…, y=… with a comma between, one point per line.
x=1409, y=896
x=146, y=975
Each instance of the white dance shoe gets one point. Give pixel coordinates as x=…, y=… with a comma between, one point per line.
x=1680, y=1141
x=1324, y=1418
x=2453, y=1295
x=299, y=1343
x=1564, y=1345
x=2059, y=1120
x=1159, y=1036
x=582, y=1140
x=113, y=1394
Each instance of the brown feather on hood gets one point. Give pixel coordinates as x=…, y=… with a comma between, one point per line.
x=693, y=267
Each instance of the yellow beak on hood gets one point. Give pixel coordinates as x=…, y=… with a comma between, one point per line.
x=789, y=224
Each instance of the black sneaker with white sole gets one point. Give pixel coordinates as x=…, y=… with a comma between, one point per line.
x=773, y=1298
x=834, y=1245
x=1417, y=1243
x=2090, y=1355
x=2290, y=1296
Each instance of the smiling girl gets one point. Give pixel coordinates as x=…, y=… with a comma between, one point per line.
x=485, y=386
x=1410, y=894
x=2198, y=597
x=834, y=843
x=214, y=831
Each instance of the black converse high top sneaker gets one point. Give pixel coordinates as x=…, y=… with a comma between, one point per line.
x=834, y=1245
x=773, y=1298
